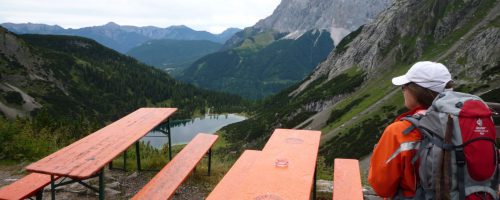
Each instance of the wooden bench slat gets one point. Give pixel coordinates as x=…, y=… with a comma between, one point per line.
x=25, y=187
x=347, y=180
x=87, y=156
x=164, y=184
x=232, y=179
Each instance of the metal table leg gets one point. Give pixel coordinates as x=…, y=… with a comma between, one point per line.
x=138, y=155
x=101, y=185
x=52, y=187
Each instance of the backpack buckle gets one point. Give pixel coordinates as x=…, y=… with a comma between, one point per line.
x=460, y=156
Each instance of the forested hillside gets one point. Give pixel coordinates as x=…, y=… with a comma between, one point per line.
x=68, y=86
x=173, y=55
x=261, y=65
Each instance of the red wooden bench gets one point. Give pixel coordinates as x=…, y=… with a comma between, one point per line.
x=164, y=184
x=347, y=180
x=28, y=186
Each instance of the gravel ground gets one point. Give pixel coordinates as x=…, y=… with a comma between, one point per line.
x=119, y=185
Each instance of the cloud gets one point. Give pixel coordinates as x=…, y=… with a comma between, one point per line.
x=211, y=15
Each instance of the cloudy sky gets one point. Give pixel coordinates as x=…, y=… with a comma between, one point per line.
x=210, y=15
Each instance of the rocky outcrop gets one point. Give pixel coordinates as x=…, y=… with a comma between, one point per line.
x=339, y=17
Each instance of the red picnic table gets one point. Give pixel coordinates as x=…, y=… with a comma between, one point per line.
x=87, y=157
x=284, y=169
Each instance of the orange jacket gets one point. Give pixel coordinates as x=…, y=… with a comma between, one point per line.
x=391, y=170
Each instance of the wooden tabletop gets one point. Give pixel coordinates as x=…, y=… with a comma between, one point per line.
x=265, y=180
x=88, y=155
x=232, y=179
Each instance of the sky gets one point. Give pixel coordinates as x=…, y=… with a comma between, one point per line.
x=209, y=15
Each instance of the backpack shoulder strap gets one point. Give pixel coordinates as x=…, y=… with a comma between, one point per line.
x=414, y=120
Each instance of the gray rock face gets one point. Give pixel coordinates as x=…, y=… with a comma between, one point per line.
x=409, y=28
x=339, y=17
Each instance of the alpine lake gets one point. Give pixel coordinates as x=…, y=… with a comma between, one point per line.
x=182, y=131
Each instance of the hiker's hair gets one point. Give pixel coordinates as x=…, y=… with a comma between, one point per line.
x=423, y=95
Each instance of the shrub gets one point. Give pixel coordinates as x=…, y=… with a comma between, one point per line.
x=14, y=97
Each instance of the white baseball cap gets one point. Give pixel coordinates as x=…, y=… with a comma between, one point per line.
x=430, y=75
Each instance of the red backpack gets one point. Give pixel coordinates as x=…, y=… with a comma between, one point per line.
x=458, y=156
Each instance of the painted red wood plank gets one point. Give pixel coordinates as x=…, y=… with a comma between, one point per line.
x=25, y=187
x=347, y=180
x=284, y=169
x=299, y=149
x=88, y=155
x=164, y=184
x=232, y=179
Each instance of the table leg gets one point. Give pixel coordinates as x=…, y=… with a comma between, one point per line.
x=138, y=156
x=101, y=185
x=314, y=183
x=110, y=165
x=39, y=195
x=52, y=187
x=209, y=160
x=169, y=141
x=125, y=160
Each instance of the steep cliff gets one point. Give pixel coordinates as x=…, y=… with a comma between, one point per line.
x=339, y=17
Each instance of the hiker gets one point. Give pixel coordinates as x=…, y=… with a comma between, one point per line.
x=391, y=170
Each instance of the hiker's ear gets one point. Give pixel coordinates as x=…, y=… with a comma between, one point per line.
x=450, y=85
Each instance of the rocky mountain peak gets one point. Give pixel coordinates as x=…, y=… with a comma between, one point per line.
x=111, y=25
x=339, y=17
x=411, y=30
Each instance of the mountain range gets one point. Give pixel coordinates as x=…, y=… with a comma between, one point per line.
x=123, y=38
x=73, y=77
x=55, y=89
x=347, y=93
x=282, y=49
x=264, y=65
x=349, y=96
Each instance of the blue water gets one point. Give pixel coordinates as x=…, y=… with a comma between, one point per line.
x=183, y=132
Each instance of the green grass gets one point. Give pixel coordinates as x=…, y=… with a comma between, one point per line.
x=357, y=139
x=375, y=89
x=495, y=23
x=256, y=42
x=222, y=161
